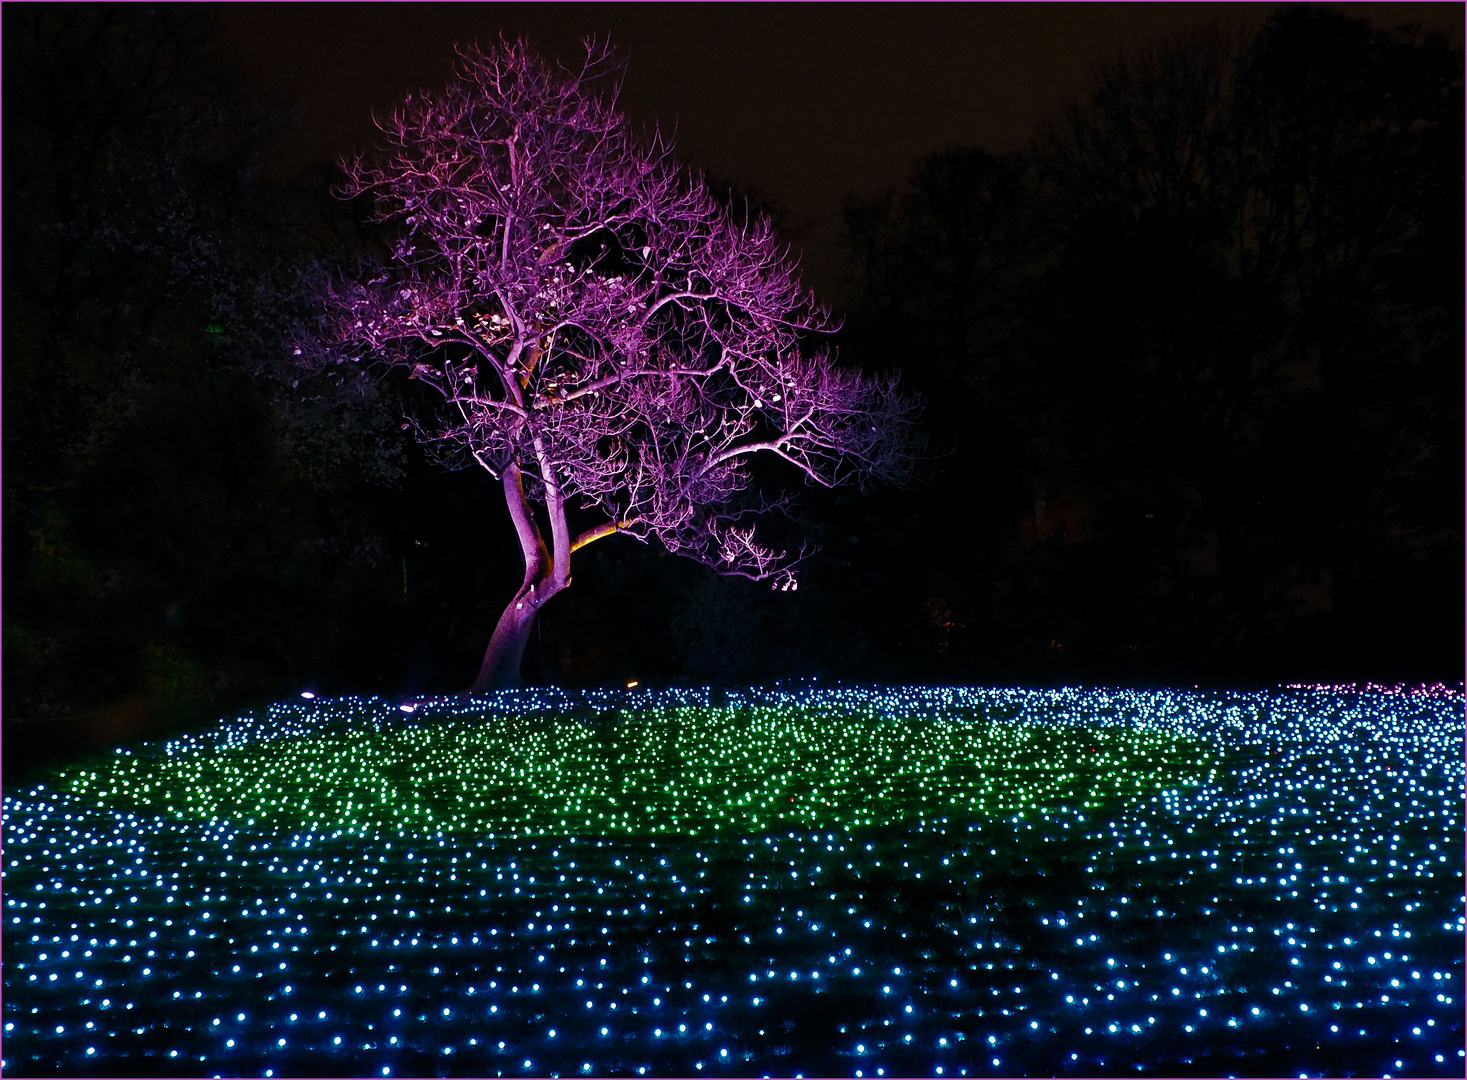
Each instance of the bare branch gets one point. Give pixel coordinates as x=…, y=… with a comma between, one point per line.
x=592, y=318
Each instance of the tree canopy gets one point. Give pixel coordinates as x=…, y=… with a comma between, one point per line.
x=594, y=322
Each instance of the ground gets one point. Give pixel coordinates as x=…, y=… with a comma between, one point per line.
x=827, y=881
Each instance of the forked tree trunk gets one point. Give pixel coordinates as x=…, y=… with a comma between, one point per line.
x=547, y=572
x=545, y=575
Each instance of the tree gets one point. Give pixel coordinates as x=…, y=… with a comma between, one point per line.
x=175, y=526
x=1212, y=320
x=1257, y=259
x=936, y=273
x=586, y=322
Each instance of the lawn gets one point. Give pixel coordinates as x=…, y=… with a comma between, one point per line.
x=801, y=881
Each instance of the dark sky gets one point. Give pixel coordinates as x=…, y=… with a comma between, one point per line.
x=806, y=102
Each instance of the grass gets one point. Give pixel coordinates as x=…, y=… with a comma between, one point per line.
x=874, y=882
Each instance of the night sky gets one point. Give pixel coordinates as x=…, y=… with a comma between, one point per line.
x=805, y=103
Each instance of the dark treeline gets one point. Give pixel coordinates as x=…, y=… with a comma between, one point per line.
x=1198, y=355
x=1193, y=362
x=177, y=527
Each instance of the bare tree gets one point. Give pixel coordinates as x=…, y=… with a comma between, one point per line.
x=600, y=334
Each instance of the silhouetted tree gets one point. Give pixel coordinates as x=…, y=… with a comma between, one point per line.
x=1250, y=349
x=1212, y=322
x=172, y=523
x=937, y=270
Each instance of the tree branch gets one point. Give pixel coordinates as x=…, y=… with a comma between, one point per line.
x=532, y=545
x=590, y=536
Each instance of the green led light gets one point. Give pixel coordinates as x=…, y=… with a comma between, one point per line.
x=653, y=770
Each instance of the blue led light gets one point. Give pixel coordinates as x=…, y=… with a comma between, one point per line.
x=1320, y=801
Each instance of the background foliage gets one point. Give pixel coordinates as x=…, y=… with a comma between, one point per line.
x=1202, y=346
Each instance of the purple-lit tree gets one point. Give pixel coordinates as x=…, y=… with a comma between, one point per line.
x=604, y=337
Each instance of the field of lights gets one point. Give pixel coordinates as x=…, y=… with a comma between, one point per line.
x=819, y=882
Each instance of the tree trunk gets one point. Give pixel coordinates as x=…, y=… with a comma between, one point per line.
x=545, y=575
x=547, y=572
x=506, y=651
